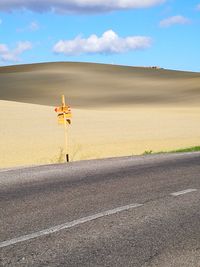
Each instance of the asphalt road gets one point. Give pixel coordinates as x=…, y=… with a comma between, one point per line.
x=131, y=211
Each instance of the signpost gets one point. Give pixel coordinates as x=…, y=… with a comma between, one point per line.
x=64, y=117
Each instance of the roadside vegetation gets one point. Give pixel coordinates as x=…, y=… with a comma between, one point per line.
x=59, y=158
x=181, y=150
x=189, y=149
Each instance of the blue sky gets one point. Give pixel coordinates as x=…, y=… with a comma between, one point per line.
x=162, y=33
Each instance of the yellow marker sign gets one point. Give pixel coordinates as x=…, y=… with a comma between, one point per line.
x=64, y=115
x=65, y=109
x=61, y=121
x=64, y=118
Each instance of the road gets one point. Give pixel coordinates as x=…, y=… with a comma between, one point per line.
x=131, y=211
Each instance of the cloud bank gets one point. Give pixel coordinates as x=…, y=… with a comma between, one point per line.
x=13, y=55
x=108, y=43
x=174, y=20
x=76, y=6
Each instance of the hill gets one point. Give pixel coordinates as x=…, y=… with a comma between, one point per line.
x=92, y=85
x=117, y=111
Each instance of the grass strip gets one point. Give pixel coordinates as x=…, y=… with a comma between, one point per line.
x=181, y=150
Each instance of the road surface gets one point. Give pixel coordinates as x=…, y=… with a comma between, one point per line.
x=131, y=211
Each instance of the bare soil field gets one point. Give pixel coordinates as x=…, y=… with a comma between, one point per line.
x=117, y=111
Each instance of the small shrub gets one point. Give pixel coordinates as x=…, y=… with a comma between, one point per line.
x=147, y=152
x=60, y=158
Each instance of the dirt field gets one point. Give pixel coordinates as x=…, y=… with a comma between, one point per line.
x=116, y=111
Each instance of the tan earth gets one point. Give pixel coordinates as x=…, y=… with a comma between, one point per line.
x=117, y=111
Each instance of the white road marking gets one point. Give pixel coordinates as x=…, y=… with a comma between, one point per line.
x=67, y=225
x=175, y=194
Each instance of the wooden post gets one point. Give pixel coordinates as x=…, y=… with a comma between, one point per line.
x=65, y=130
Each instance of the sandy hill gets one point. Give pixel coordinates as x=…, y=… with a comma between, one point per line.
x=117, y=111
x=94, y=85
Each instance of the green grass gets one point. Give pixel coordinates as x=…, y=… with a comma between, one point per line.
x=189, y=149
x=148, y=152
x=181, y=150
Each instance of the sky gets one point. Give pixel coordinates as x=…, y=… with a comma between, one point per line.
x=163, y=33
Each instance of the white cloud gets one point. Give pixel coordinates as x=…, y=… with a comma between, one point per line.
x=174, y=20
x=33, y=26
x=108, y=43
x=13, y=55
x=76, y=6
x=3, y=49
x=1, y=21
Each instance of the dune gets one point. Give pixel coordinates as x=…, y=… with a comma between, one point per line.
x=117, y=111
